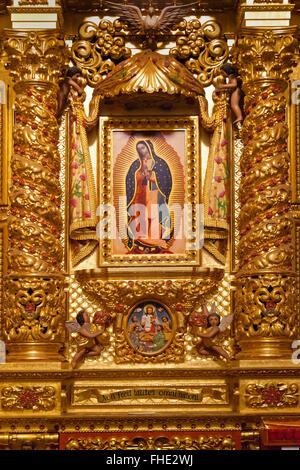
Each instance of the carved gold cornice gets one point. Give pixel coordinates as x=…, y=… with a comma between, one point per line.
x=152, y=424
x=270, y=7
x=31, y=7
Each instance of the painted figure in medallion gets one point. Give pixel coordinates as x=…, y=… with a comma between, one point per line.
x=149, y=328
x=159, y=339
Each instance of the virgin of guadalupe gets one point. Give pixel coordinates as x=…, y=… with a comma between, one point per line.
x=148, y=188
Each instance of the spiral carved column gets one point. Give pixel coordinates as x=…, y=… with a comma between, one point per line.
x=34, y=300
x=266, y=282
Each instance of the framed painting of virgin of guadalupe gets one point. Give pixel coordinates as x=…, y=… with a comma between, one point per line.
x=149, y=191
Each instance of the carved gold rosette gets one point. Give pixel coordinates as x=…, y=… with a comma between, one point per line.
x=272, y=395
x=36, y=60
x=264, y=303
x=35, y=398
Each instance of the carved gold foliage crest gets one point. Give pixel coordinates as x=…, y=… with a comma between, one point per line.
x=202, y=48
x=98, y=48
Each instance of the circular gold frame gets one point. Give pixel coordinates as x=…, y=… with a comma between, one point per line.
x=171, y=315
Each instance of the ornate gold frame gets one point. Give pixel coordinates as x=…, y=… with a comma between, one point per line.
x=193, y=184
x=171, y=314
x=172, y=351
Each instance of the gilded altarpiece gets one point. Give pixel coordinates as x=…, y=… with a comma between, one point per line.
x=149, y=243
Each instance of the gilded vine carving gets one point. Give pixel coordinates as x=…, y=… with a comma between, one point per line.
x=161, y=443
x=265, y=222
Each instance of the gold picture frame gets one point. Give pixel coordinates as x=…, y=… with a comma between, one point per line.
x=116, y=161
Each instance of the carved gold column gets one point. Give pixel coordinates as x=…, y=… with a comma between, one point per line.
x=34, y=301
x=266, y=282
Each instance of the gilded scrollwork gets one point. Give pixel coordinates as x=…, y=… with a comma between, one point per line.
x=205, y=442
x=99, y=48
x=35, y=398
x=202, y=48
x=179, y=294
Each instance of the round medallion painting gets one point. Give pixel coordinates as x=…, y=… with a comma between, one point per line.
x=149, y=328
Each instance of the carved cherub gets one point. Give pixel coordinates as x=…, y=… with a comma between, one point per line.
x=214, y=325
x=150, y=24
x=234, y=85
x=90, y=342
x=71, y=79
